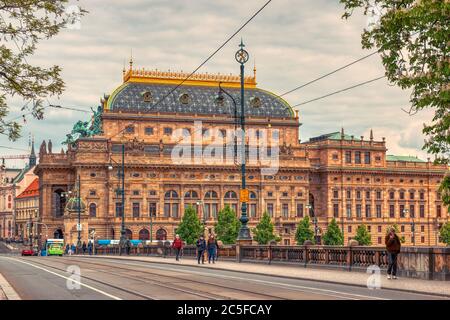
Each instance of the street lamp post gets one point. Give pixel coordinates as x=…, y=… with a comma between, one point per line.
x=79, y=211
x=242, y=57
x=200, y=202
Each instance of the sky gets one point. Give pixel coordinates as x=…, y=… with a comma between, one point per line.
x=291, y=42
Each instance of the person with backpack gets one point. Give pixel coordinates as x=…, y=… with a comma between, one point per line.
x=201, y=247
x=178, y=246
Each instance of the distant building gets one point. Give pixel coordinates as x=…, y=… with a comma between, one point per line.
x=27, y=211
x=331, y=176
x=12, y=183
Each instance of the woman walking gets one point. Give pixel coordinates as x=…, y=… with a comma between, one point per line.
x=393, y=245
x=212, y=248
x=177, y=245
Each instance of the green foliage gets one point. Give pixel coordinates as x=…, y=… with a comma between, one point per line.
x=190, y=227
x=363, y=236
x=395, y=226
x=444, y=233
x=412, y=39
x=444, y=190
x=23, y=24
x=263, y=233
x=304, y=231
x=227, y=226
x=333, y=236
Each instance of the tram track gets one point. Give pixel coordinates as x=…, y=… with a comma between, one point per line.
x=184, y=280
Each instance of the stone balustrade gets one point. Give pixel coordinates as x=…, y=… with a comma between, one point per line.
x=430, y=263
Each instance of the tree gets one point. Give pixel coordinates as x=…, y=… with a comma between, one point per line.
x=263, y=233
x=22, y=25
x=363, y=236
x=333, y=236
x=412, y=39
x=444, y=233
x=304, y=231
x=227, y=226
x=190, y=227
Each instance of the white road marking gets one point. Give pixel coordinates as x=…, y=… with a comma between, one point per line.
x=8, y=290
x=67, y=278
x=324, y=291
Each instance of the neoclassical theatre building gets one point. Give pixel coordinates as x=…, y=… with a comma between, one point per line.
x=334, y=175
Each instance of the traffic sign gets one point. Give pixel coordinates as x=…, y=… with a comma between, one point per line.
x=244, y=196
x=79, y=227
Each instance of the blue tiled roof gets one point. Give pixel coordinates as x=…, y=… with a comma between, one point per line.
x=202, y=100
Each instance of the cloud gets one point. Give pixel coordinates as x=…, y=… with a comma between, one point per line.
x=291, y=41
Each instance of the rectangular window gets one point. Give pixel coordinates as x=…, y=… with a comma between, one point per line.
x=358, y=194
x=378, y=195
x=379, y=229
x=368, y=211
x=422, y=196
x=367, y=194
x=412, y=211
x=336, y=210
x=300, y=210
x=411, y=195
x=285, y=210
x=367, y=157
x=349, y=194
x=402, y=195
x=358, y=157
x=391, y=195
x=422, y=211
x=358, y=211
x=270, y=209
x=438, y=211
x=348, y=157
x=214, y=210
x=253, y=210
x=152, y=209
x=207, y=212
x=148, y=131
x=349, y=229
x=422, y=228
x=119, y=209
x=402, y=211
x=391, y=211
x=378, y=209
x=167, y=131
x=166, y=210
x=349, y=211
x=129, y=129
x=175, y=210
x=335, y=194
x=136, y=209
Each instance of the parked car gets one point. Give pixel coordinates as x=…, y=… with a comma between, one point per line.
x=29, y=252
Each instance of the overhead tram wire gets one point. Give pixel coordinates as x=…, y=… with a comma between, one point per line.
x=339, y=91
x=329, y=74
x=203, y=63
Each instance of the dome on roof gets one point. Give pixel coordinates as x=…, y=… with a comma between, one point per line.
x=192, y=99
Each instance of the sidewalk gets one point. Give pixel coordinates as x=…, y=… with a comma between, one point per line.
x=332, y=276
x=7, y=292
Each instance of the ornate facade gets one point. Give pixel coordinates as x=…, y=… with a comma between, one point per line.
x=334, y=175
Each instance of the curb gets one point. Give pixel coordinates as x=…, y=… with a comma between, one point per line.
x=283, y=276
x=8, y=290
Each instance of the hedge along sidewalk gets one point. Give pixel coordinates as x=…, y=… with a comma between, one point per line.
x=432, y=287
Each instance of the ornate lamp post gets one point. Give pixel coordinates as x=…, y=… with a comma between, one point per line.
x=242, y=57
x=200, y=202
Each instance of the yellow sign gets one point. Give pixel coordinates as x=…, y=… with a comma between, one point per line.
x=244, y=195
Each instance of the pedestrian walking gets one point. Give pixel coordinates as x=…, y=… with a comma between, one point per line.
x=66, y=251
x=212, y=248
x=90, y=248
x=178, y=246
x=73, y=249
x=201, y=247
x=83, y=247
x=393, y=245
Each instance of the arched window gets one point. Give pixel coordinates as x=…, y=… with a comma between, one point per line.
x=230, y=195
x=161, y=235
x=211, y=195
x=191, y=194
x=92, y=210
x=252, y=195
x=144, y=234
x=171, y=195
x=129, y=234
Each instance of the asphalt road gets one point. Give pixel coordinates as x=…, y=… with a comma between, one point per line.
x=51, y=278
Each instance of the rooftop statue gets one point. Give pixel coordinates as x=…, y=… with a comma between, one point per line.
x=84, y=129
